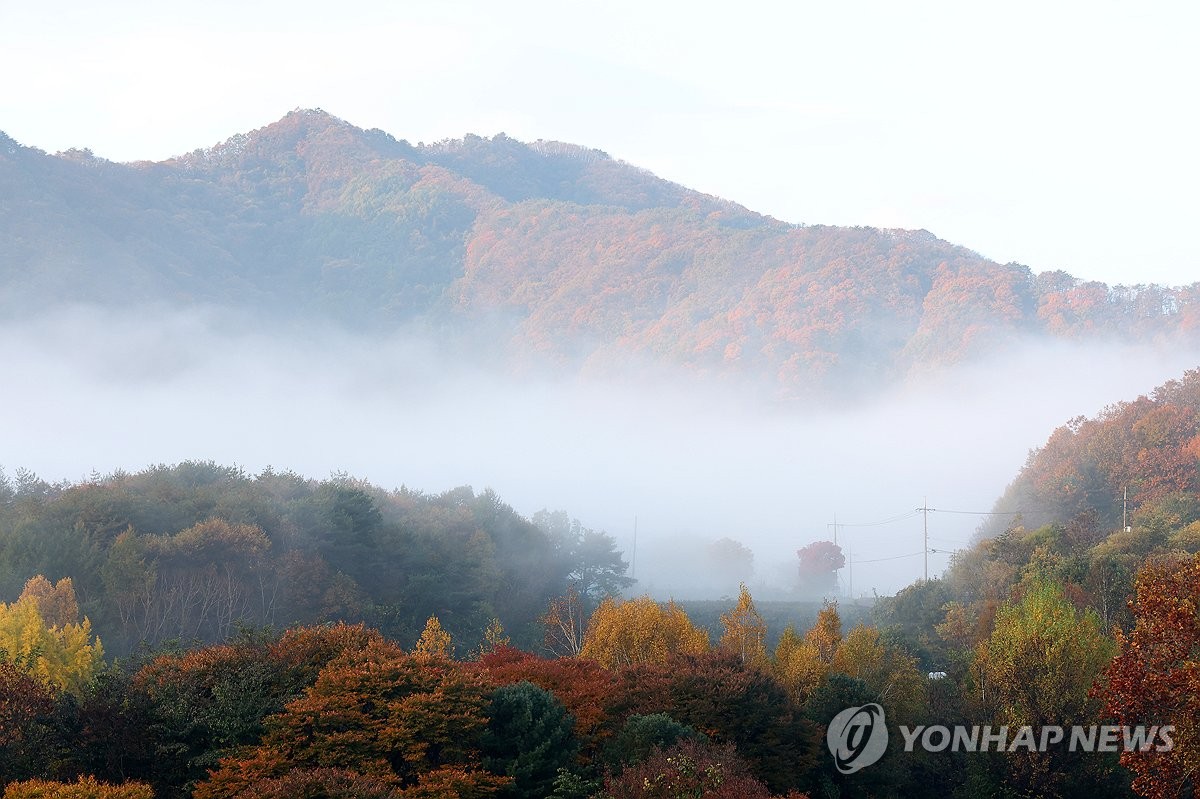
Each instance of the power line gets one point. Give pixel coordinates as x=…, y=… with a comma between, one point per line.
x=894, y=557
x=978, y=512
x=879, y=523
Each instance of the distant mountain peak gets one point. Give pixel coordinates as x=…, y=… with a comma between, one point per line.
x=284, y=135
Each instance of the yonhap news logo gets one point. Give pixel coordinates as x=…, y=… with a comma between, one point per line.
x=857, y=737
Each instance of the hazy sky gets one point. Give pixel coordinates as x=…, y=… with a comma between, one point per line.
x=1059, y=135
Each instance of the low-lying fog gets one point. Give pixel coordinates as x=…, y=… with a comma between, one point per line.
x=90, y=391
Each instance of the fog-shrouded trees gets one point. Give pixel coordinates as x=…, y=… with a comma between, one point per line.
x=196, y=550
x=819, y=564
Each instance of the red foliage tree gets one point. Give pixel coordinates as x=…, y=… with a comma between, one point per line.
x=584, y=687
x=819, y=562
x=1155, y=679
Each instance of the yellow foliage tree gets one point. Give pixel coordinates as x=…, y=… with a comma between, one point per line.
x=85, y=788
x=1037, y=668
x=63, y=655
x=826, y=633
x=435, y=642
x=640, y=631
x=891, y=673
x=745, y=631
x=798, y=665
x=494, y=637
x=1040, y=662
x=801, y=664
x=56, y=602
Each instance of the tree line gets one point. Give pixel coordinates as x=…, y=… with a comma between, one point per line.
x=193, y=551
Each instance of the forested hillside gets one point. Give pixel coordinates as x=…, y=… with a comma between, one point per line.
x=1139, y=458
x=545, y=254
x=195, y=551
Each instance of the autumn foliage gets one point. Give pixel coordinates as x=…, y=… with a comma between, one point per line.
x=42, y=634
x=1155, y=677
x=84, y=788
x=410, y=721
x=598, y=263
x=640, y=631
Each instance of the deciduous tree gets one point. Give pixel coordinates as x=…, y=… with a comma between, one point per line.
x=435, y=643
x=801, y=664
x=1037, y=668
x=411, y=720
x=745, y=631
x=1155, y=677
x=565, y=624
x=685, y=770
x=640, y=631
x=66, y=656
x=26, y=722
x=819, y=562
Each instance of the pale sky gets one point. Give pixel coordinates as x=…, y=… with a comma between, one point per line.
x=1058, y=135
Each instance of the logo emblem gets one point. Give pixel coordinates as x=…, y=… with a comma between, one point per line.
x=857, y=737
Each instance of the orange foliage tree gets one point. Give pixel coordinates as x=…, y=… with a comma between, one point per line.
x=204, y=701
x=411, y=721
x=55, y=602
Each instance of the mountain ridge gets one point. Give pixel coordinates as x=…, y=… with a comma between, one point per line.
x=589, y=263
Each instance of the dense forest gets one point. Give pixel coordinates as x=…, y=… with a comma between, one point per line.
x=542, y=255
x=190, y=552
x=279, y=636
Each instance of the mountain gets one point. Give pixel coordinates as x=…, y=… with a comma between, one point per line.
x=557, y=255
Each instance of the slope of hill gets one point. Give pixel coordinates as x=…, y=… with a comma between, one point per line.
x=1133, y=463
x=562, y=255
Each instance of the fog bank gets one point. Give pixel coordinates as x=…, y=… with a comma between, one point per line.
x=91, y=391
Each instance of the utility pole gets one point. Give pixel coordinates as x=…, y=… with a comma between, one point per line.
x=925, y=509
x=835, y=541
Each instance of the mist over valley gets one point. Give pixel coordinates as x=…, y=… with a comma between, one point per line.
x=96, y=390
